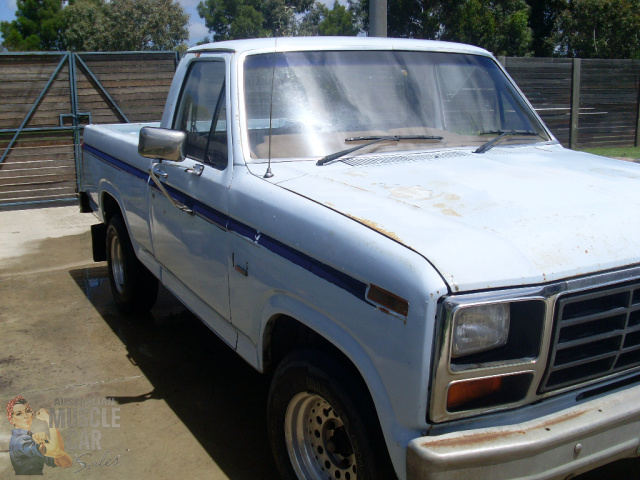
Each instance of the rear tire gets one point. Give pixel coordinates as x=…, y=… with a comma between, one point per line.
x=322, y=424
x=134, y=288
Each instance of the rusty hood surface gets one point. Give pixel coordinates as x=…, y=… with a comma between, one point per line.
x=511, y=216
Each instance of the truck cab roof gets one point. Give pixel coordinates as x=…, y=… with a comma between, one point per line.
x=335, y=43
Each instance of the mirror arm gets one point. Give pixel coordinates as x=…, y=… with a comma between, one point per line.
x=158, y=183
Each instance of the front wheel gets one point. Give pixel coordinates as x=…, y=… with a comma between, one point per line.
x=134, y=288
x=322, y=424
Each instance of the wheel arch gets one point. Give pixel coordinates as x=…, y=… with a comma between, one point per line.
x=287, y=336
x=285, y=333
x=110, y=206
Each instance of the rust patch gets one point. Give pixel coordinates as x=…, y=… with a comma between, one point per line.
x=471, y=439
x=480, y=438
x=447, y=211
x=562, y=418
x=451, y=213
x=413, y=192
x=376, y=227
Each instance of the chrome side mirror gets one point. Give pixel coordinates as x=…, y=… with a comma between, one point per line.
x=162, y=143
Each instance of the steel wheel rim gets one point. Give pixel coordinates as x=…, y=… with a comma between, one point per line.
x=117, y=264
x=317, y=440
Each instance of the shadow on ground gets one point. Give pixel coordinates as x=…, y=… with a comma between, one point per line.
x=218, y=397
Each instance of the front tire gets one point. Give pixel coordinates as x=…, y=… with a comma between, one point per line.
x=316, y=429
x=134, y=288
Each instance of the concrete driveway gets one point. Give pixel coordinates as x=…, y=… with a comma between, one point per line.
x=160, y=395
x=153, y=397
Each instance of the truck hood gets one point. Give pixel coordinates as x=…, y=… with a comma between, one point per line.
x=511, y=216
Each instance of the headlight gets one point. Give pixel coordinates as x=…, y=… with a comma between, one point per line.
x=480, y=328
x=487, y=352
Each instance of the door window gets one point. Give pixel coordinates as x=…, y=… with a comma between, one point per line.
x=202, y=113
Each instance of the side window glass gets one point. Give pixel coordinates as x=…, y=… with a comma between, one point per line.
x=201, y=113
x=217, y=152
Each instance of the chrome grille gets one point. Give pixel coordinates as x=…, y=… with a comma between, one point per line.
x=597, y=333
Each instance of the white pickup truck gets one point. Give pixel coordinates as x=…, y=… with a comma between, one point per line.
x=438, y=289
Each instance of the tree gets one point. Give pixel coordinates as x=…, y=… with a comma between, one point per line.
x=146, y=24
x=36, y=27
x=600, y=29
x=234, y=19
x=359, y=10
x=543, y=21
x=500, y=26
x=85, y=26
x=228, y=19
x=337, y=21
x=124, y=25
x=413, y=19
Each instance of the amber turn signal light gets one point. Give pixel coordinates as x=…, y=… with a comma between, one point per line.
x=387, y=300
x=469, y=390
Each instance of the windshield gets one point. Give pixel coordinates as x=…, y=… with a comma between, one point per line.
x=322, y=98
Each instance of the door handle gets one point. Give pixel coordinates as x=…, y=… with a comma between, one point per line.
x=196, y=170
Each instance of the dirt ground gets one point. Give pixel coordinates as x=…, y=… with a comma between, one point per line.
x=155, y=397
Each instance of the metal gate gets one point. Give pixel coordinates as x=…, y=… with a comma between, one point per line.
x=47, y=98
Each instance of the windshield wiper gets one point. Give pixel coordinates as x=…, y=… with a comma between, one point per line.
x=502, y=133
x=372, y=140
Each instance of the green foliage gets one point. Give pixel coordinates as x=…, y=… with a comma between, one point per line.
x=543, y=21
x=234, y=19
x=337, y=21
x=146, y=25
x=124, y=25
x=615, y=152
x=85, y=25
x=228, y=19
x=96, y=25
x=412, y=19
x=501, y=26
x=600, y=29
x=36, y=27
x=571, y=28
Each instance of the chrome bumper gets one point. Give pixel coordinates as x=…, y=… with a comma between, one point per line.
x=568, y=442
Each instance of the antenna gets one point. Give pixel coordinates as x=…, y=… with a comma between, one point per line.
x=269, y=173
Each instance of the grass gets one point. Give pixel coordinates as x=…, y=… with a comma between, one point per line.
x=628, y=152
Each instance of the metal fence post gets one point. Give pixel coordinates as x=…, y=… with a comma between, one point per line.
x=378, y=18
x=637, y=142
x=73, y=84
x=575, y=104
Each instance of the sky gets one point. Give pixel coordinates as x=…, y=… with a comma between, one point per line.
x=197, y=29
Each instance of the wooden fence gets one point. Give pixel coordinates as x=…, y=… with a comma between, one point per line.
x=585, y=103
x=47, y=98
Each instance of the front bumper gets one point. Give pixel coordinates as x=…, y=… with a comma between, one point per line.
x=571, y=441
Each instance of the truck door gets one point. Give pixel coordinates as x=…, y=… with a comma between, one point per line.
x=189, y=229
